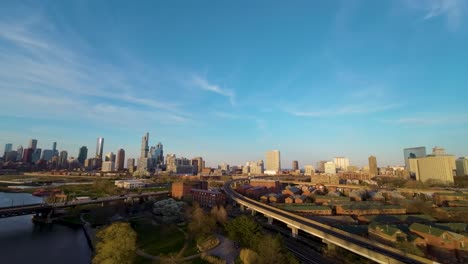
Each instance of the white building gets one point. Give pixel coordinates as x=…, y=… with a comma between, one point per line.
x=273, y=160
x=309, y=170
x=130, y=184
x=341, y=163
x=462, y=166
x=330, y=167
x=108, y=166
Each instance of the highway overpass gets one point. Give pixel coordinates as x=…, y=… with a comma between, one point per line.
x=17, y=210
x=332, y=236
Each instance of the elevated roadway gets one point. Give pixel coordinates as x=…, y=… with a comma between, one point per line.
x=16, y=210
x=329, y=235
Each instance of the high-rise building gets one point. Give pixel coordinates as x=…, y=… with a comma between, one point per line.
x=119, y=163
x=438, y=151
x=54, y=149
x=197, y=163
x=11, y=156
x=295, y=165
x=32, y=144
x=19, y=151
x=36, y=155
x=82, y=155
x=309, y=170
x=27, y=155
x=433, y=167
x=108, y=166
x=462, y=166
x=99, y=147
x=330, y=167
x=110, y=157
x=417, y=152
x=131, y=165
x=321, y=165
x=341, y=163
x=273, y=160
x=159, y=155
x=144, y=146
x=373, y=166
x=47, y=154
x=8, y=147
x=63, y=159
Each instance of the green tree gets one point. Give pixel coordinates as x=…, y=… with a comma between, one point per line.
x=219, y=213
x=243, y=230
x=117, y=245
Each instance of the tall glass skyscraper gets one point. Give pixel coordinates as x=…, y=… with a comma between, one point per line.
x=99, y=147
x=83, y=154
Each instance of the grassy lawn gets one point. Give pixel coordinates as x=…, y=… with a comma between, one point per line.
x=157, y=240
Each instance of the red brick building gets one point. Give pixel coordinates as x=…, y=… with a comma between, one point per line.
x=271, y=185
x=208, y=198
x=181, y=190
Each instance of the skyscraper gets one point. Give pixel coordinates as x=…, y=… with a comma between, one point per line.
x=197, y=163
x=110, y=157
x=19, y=150
x=330, y=167
x=373, y=166
x=131, y=165
x=54, y=149
x=27, y=155
x=47, y=154
x=159, y=155
x=273, y=160
x=341, y=163
x=8, y=147
x=36, y=155
x=32, y=144
x=144, y=146
x=63, y=162
x=309, y=170
x=417, y=152
x=99, y=147
x=295, y=165
x=82, y=155
x=321, y=165
x=119, y=164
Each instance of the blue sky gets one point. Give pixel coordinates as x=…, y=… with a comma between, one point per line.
x=228, y=80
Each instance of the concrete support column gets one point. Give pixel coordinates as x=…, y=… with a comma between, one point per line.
x=270, y=220
x=253, y=212
x=242, y=208
x=330, y=246
x=294, y=231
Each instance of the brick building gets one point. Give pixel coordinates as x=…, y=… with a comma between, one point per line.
x=181, y=190
x=208, y=198
x=271, y=185
x=366, y=209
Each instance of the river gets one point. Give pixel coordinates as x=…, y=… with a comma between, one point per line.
x=23, y=242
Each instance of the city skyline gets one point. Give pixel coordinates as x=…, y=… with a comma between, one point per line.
x=72, y=72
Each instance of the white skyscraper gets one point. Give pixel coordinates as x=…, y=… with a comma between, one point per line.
x=273, y=161
x=341, y=163
x=144, y=146
x=330, y=167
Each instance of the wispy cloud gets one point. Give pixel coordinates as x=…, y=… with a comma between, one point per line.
x=203, y=84
x=452, y=10
x=432, y=120
x=343, y=110
x=40, y=72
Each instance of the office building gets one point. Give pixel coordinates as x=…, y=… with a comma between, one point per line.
x=54, y=149
x=11, y=156
x=144, y=146
x=8, y=148
x=330, y=167
x=36, y=155
x=182, y=189
x=99, y=147
x=341, y=163
x=438, y=151
x=198, y=163
x=309, y=170
x=20, y=153
x=295, y=165
x=120, y=160
x=108, y=166
x=417, y=152
x=273, y=161
x=373, y=166
x=158, y=155
x=170, y=159
x=47, y=154
x=433, y=167
x=224, y=167
x=462, y=166
x=62, y=162
x=321, y=166
x=110, y=157
x=27, y=155
x=82, y=155
x=131, y=165
x=32, y=144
